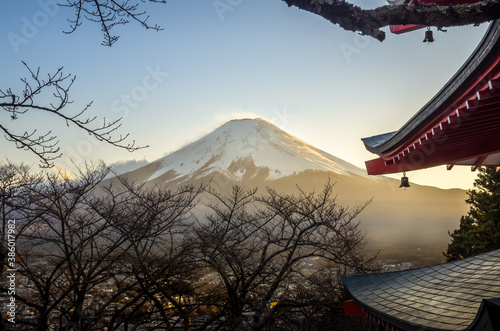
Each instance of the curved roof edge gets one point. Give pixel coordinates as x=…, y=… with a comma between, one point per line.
x=459, y=295
x=485, y=53
x=488, y=316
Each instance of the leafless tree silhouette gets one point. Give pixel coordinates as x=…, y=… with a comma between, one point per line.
x=108, y=14
x=153, y=222
x=93, y=255
x=118, y=255
x=50, y=94
x=260, y=248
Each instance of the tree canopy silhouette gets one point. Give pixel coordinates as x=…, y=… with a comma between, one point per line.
x=479, y=230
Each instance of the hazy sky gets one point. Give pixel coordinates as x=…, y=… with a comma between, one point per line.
x=260, y=58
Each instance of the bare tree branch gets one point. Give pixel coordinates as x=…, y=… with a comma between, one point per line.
x=32, y=98
x=257, y=248
x=123, y=256
x=370, y=21
x=109, y=13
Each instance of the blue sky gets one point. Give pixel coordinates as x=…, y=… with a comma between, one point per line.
x=320, y=83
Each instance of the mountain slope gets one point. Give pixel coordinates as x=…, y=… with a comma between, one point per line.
x=245, y=149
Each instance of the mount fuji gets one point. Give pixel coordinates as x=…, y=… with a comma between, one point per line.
x=244, y=150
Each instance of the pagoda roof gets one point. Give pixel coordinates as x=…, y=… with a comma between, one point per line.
x=460, y=295
x=460, y=125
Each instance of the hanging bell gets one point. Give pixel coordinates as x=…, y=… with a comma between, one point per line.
x=404, y=181
x=428, y=36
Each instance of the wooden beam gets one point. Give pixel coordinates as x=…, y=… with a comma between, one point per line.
x=436, y=156
x=478, y=162
x=494, y=84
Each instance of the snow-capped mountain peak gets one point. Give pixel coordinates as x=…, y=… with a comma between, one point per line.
x=247, y=148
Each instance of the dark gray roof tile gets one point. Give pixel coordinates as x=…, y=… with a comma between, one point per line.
x=441, y=297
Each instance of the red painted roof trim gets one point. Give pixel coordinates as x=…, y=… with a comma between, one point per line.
x=464, y=128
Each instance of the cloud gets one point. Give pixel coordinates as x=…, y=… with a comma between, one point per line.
x=221, y=118
x=122, y=167
x=64, y=174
